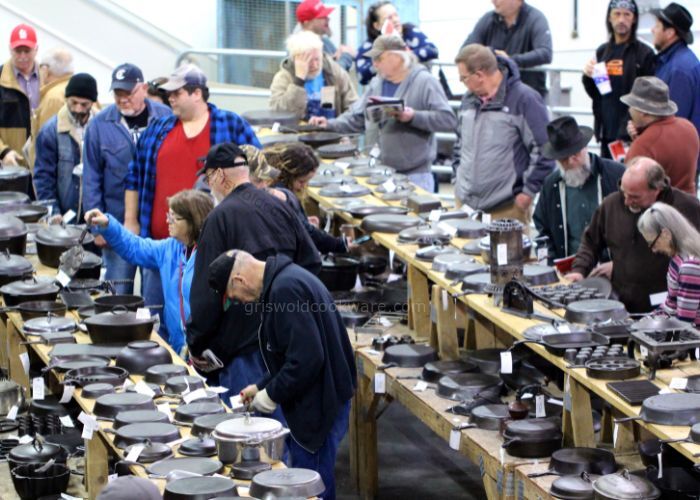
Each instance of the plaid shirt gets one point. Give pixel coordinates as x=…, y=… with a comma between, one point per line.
x=225, y=126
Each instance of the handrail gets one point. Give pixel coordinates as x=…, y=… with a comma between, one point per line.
x=271, y=54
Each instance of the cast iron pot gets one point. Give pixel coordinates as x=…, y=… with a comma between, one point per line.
x=26, y=212
x=107, y=302
x=13, y=268
x=36, y=452
x=13, y=235
x=90, y=267
x=140, y=355
x=118, y=326
x=532, y=438
x=31, y=482
x=53, y=240
x=338, y=272
x=15, y=179
x=29, y=289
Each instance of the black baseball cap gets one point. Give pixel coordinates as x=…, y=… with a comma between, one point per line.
x=220, y=272
x=222, y=156
x=125, y=77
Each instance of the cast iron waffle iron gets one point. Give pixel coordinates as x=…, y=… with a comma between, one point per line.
x=564, y=294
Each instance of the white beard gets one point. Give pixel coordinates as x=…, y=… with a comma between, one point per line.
x=576, y=177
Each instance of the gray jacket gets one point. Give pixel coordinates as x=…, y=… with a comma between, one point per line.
x=498, y=144
x=408, y=147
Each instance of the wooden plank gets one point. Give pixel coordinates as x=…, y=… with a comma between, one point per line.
x=447, y=342
x=366, y=426
x=4, y=348
x=96, y=460
x=15, y=350
x=419, y=303
x=581, y=415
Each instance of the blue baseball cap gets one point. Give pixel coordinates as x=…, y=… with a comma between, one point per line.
x=125, y=77
x=187, y=74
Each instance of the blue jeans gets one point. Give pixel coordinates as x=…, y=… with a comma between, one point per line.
x=118, y=269
x=424, y=180
x=152, y=292
x=323, y=461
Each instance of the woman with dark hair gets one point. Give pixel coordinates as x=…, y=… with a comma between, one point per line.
x=173, y=257
x=156, y=93
x=297, y=164
x=378, y=14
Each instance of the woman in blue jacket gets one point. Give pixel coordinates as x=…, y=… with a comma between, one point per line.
x=173, y=257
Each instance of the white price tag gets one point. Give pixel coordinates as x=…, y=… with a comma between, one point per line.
x=486, y=218
x=389, y=186
x=557, y=402
x=68, y=391
x=236, y=402
x=434, y=215
x=66, y=421
x=142, y=388
x=616, y=428
x=198, y=394
x=24, y=359
x=502, y=455
x=445, y=303
x=392, y=254
x=342, y=164
x=660, y=461
x=643, y=351
x=38, y=390
x=448, y=228
x=455, y=438
x=143, y=313
x=178, y=441
x=87, y=432
x=87, y=420
x=563, y=329
x=275, y=127
x=679, y=383
x=420, y=386
x=217, y=389
x=69, y=216
x=540, y=411
x=112, y=477
x=666, y=391
x=187, y=387
x=502, y=254
x=165, y=408
x=127, y=383
x=506, y=362
x=12, y=414
x=467, y=209
x=66, y=496
x=385, y=322
x=346, y=188
x=542, y=254
x=63, y=278
x=134, y=453
x=372, y=352
x=379, y=383
x=656, y=299
x=375, y=151
x=25, y=439
x=697, y=353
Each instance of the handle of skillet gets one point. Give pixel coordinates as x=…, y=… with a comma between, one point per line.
x=549, y=472
x=626, y=419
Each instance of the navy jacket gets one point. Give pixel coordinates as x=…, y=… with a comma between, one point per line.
x=306, y=349
x=107, y=152
x=679, y=67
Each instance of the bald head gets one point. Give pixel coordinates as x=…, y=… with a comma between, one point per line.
x=642, y=182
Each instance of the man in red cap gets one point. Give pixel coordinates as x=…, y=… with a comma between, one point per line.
x=313, y=16
x=19, y=94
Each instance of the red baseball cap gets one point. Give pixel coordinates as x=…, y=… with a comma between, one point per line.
x=309, y=10
x=23, y=35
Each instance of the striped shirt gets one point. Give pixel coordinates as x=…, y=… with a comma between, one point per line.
x=683, y=298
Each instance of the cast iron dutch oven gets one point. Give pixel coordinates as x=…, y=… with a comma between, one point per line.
x=26, y=212
x=13, y=268
x=339, y=272
x=140, y=355
x=13, y=178
x=13, y=235
x=29, y=289
x=107, y=302
x=90, y=267
x=55, y=239
x=118, y=326
x=32, y=481
x=36, y=452
x=532, y=437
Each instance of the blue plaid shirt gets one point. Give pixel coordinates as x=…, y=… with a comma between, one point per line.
x=225, y=126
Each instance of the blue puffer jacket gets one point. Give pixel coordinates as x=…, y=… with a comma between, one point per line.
x=107, y=153
x=168, y=256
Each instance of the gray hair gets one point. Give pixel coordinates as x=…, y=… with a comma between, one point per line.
x=685, y=239
x=59, y=61
x=302, y=41
x=655, y=173
x=409, y=58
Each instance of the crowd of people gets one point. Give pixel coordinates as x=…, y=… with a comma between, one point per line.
x=183, y=191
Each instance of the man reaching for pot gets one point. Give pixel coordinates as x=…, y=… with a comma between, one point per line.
x=306, y=349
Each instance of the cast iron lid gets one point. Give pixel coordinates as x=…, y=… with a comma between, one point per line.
x=623, y=486
x=90, y=260
x=14, y=265
x=402, y=186
x=180, y=383
x=200, y=487
x=574, y=486
x=62, y=235
x=432, y=251
x=160, y=373
x=117, y=316
x=11, y=227
x=531, y=427
x=188, y=412
x=328, y=178
x=49, y=324
x=207, y=423
x=290, y=482
x=446, y=260
x=268, y=117
x=423, y=234
x=331, y=151
x=391, y=223
x=36, y=451
x=12, y=198
x=198, y=447
x=459, y=270
x=97, y=389
x=124, y=400
x=335, y=261
x=13, y=172
x=468, y=228
x=151, y=452
x=344, y=190
x=30, y=286
x=367, y=171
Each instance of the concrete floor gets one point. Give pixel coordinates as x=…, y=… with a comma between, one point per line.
x=413, y=463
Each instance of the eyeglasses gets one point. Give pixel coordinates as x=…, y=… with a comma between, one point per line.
x=653, y=242
x=124, y=94
x=466, y=77
x=171, y=218
x=208, y=173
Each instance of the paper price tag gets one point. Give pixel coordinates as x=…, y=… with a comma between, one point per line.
x=134, y=453
x=69, y=216
x=66, y=421
x=448, y=228
x=346, y=188
x=678, y=383
x=236, y=402
x=342, y=164
x=385, y=322
x=555, y=402
x=455, y=439
x=198, y=394
x=38, y=389
x=656, y=299
x=502, y=254
x=666, y=391
x=112, y=477
x=506, y=362
x=12, y=414
x=372, y=352
x=63, y=278
x=143, y=313
x=165, y=408
x=379, y=383
x=187, y=387
x=24, y=359
x=127, y=383
x=434, y=215
x=467, y=209
x=444, y=300
x=275, y=127
x=68, y=391
x=542, y=254
x=142, y=388
x=375, y=151
x=643, y=351
x=486, y=218
x=217, y=389
x=178, y=441
x=66, y=496
x=25, y=439
x=660, y=461
x=87, y=432
x=389, y=186
x=616, y=428
x=502, y=455
x=540, y=411
x=563, y=329
x=420, y=386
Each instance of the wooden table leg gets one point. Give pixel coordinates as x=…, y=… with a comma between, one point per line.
x=352, y=441
x=15, y=350
x=581, y=416
x=419, y=303
x=4, y=347
x=367, y=474
x=96, y=460
x=447, y=342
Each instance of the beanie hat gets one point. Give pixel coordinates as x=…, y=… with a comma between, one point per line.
x=82, y=85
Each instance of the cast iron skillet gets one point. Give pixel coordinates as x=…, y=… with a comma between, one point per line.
x=558, y=343
x=196, y=465
x=408, y=356
x=578, y=460
x=669, y=409
x=361, y=211
x=317, y=139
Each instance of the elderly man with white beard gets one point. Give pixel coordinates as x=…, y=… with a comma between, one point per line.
x=573, y=191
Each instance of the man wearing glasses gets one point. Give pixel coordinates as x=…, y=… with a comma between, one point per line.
x=637, y=274
x=109, y=146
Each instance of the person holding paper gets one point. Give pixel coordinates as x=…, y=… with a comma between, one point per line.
x=668, y=233
x=173, y=257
